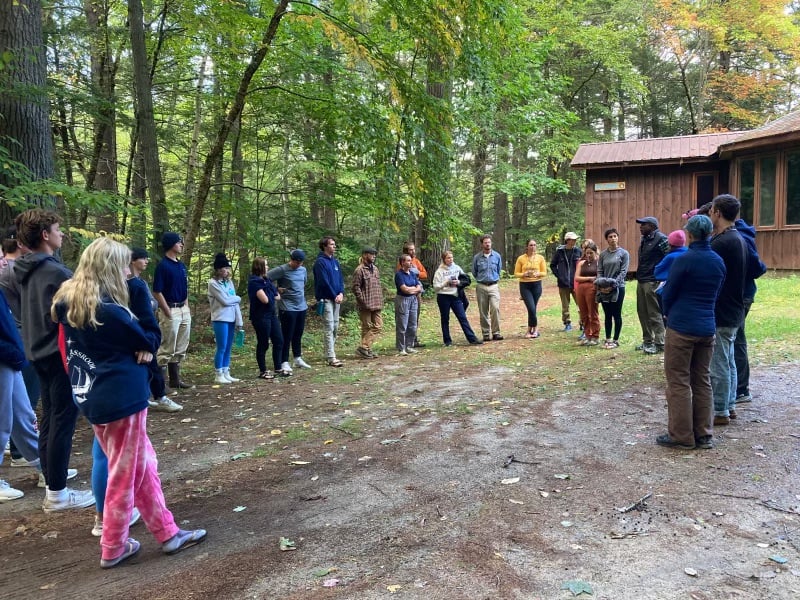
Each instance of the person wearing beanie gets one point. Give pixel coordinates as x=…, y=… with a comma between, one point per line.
x=689, y=297
x=291, y=279
x=171, y=291
x=226, y=317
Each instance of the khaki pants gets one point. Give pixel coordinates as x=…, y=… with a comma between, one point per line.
x=649, y=312
x=175, y=328
x=371, y=327
x=565, y=294
x=488, y=297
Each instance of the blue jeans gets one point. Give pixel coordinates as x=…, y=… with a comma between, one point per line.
x=293, y=324
x=446, y=303
x=99, y=475
x=531, y=291
x=16, y=415
x=723, y=372
x=223, y=335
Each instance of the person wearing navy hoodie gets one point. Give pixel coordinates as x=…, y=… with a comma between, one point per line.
x=16, y=414
x=39, y=274
x=106, y=352
x=329, y=290
x=755, y=269
x=688, y=299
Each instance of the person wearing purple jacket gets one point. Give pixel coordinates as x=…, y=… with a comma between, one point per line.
x=689, y=298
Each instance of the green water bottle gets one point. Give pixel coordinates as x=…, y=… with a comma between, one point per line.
x=238, y=340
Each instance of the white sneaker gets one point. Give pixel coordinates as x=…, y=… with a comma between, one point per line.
x=70, y=499
x=166, y=405
x=97, y=530
x=411, y=350
x=300, y=363
x=71, y=474
x=219, y=377
x=402, y=353
x=8, y=493
x=21, y=462
x=230, y=377
x=286, y=368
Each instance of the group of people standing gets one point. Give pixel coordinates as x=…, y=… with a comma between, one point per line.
x=91, y=338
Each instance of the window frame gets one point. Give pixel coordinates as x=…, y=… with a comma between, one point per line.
x=781, y=186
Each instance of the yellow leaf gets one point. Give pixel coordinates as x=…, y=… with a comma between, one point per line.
x=275, y=432
x=393, y=588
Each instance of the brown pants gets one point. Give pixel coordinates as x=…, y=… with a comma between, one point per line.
x=687, y=361
x=371, y=326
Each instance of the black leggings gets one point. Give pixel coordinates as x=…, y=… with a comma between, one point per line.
x=531, y=291
x=613, y=312
x=268, y=328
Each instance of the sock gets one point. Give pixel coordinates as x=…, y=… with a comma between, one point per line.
x=55, y=495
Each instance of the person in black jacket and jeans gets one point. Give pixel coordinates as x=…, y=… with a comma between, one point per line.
x=565, y=259
x=653, y=247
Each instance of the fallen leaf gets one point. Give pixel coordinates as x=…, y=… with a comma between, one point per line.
x=326, y=442
x=364, y=458
x=275, y=432
x=577, y=587
x=239, y=508
x=515, y=501
x=50, y=535
x=285, y=544
x=323, y=572
x=330, y=583
x=389, y=441
x=543, y=494
x=187, y=420
x=509, y=481
x=566, y=523
x=561, y=476
x=241, y=455
x=300, y=462
x=690, y=572
x=762, y=545
x=393, y=588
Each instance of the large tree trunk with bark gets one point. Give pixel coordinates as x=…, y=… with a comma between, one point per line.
x=146, y=124
x=24, y=111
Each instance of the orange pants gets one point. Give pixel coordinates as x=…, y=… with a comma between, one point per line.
x=587, y=303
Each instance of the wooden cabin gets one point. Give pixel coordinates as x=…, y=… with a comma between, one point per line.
x=665, y=177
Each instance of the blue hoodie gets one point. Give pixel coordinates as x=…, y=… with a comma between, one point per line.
x=107, y=382
x=328, y=280
x=755, y=268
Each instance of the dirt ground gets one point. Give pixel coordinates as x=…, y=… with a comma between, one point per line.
x=391, y=482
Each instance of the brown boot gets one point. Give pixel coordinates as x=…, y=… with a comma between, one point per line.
x=175, y=381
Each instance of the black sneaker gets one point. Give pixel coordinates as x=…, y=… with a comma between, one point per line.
x=704, y=442
x=497, y=337
x=486, y=338
x=665, y=440
x=476, y=342
x=363, y=352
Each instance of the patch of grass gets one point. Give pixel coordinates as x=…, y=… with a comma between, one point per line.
x=296, y=434
x=263, y=451
x=462, y=408
x=351, y=426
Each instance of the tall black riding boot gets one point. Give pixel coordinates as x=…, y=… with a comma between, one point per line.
x=175, y=381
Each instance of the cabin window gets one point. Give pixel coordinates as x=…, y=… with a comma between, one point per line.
x=793, y=188
x=747, y=188
x=766, y=201
x=705, y=188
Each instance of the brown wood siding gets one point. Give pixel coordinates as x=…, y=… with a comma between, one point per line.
x=778, y=249
x=664, y=192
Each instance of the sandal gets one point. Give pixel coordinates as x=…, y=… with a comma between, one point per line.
x=335, y=362
x=182, y=540
x=611, y=345
x=131, y=548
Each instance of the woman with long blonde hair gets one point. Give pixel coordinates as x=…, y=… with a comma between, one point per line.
x=106, y=354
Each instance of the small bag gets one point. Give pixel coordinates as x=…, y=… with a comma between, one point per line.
x=320, y=308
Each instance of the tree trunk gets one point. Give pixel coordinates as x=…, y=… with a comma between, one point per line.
x=24, y=113
x=146, y=124
x=103, y=167
x=191, y=186
x=219, y=143
x=478, y=179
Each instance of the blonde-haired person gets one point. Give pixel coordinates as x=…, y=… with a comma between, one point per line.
x=530, y=269
x=106, y=353
x=450, y=296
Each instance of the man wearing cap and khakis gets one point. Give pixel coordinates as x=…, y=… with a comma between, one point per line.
x=565, y=260
x=654, y=246
x=366, y=286
x=171, y=291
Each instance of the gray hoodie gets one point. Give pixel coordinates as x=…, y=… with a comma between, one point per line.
x=39, y=276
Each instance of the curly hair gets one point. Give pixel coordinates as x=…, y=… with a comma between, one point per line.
x=99, y=277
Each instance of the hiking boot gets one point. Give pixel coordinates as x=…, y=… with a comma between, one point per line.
x=649, y=349
x=174, y=374
x=476, y=342
x=363, y=352
x=8, y=493
x=182, y=540
x=70, y=499
x=164, y=404
x=665, y=440
x=497, y=337
x=71, y=474
x=704, y=442
x=720, y=420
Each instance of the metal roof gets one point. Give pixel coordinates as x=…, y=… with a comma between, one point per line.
x=687, y=148
x=785, y=128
